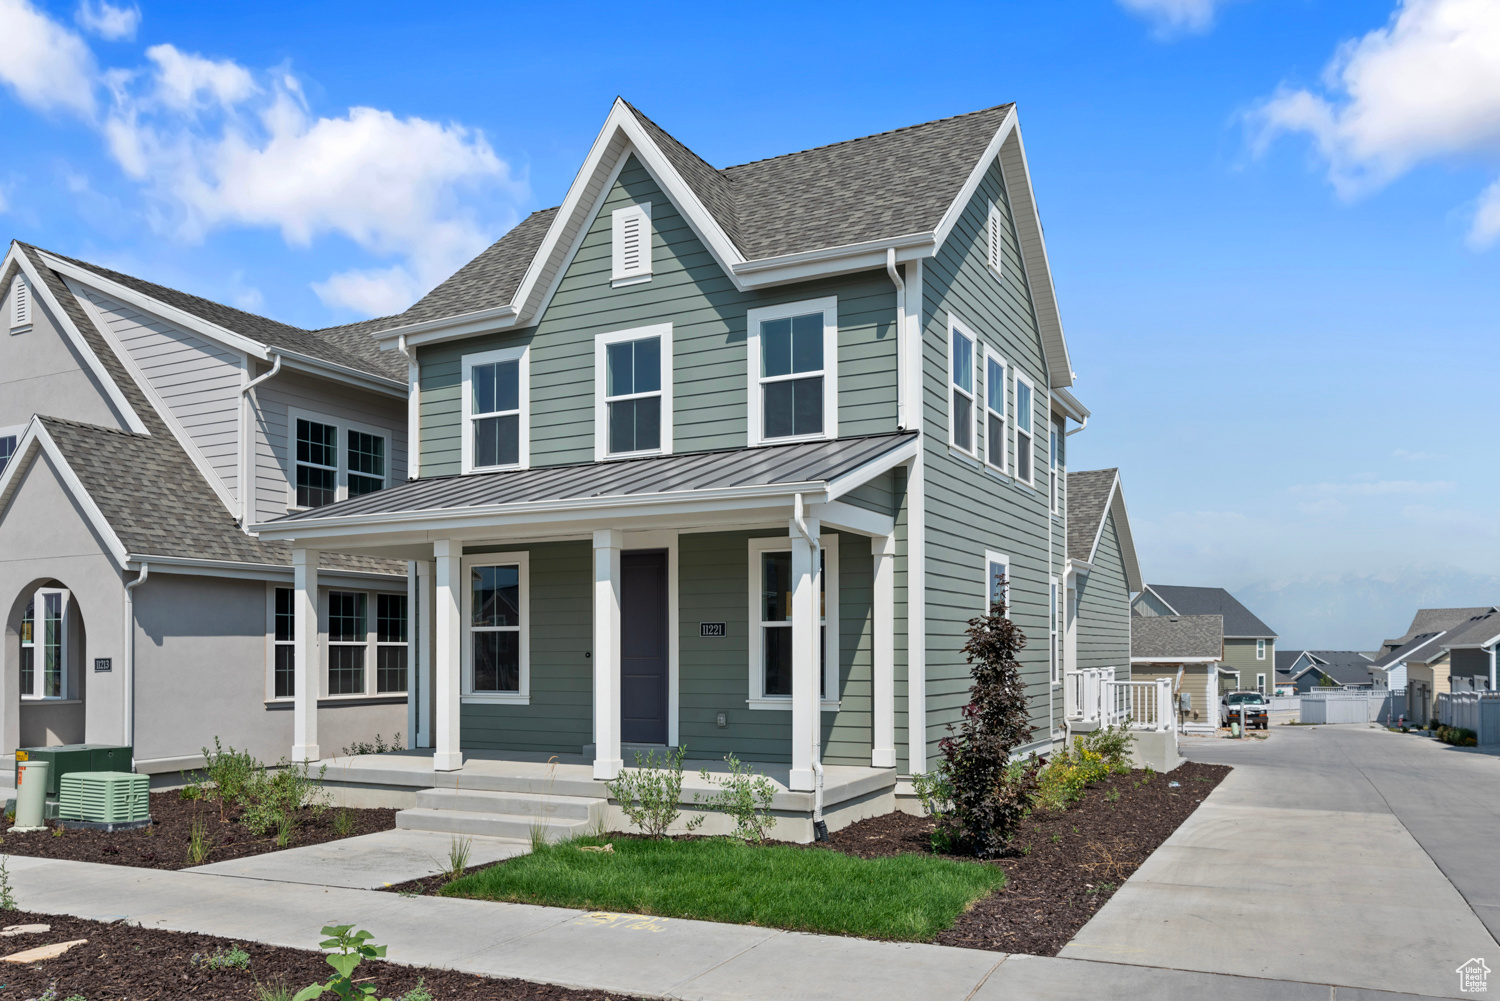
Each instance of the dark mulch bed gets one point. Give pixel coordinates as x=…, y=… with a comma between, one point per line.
x=164, y=845
x=122, y=962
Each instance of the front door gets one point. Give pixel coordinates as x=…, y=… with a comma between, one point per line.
x=643, y=647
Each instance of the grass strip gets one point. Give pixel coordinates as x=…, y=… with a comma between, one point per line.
x=907, y=898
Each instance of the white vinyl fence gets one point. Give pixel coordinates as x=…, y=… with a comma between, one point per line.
x=1378, y=705
x=1477, y=711
x=1281, y=703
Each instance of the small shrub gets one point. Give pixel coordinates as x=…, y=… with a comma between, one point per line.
x=343, y=823
x=231, y=773
x=745, y=796
x=650, y=794
x=417, y=993
x=1112, y=744
x=934, y=791
x=276, y=798
x=1458, y=736
x=7, y=894
x=378, y=747
x=233, y=958
x=1064, y=778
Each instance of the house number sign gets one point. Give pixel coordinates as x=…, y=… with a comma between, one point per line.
x=103, y=664
x=713, y=629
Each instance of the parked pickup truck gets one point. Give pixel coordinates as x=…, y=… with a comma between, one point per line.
x=1254, y=705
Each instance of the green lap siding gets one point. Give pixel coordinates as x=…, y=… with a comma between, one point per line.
x=1103, y=626
x=1239, y=655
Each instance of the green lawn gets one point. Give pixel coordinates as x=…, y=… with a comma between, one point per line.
x=910, y=898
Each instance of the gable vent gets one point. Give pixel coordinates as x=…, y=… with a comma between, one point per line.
x=20, y=303
x=995, y=243
x=631, y=256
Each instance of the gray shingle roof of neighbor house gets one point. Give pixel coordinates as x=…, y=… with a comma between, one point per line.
x=349, y=345
x=1088, y=502
x=1239, y=621
x=1177, y=636
x=1476, y=630
x=1430, y=620
x=1285, y=659
x=804, y=462
x=1423, y=644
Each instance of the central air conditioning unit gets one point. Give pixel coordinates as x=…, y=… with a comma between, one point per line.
x=104, y=801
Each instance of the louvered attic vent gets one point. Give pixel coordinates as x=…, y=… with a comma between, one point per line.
x=995, y=244
x=631, y=256
x=20, y=304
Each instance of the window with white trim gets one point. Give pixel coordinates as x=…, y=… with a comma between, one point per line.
x=20, y=305
x=793, y=371
x=960, y=387
x=496, y=640
x=1260, y=683
x=7, y=449
x=44, y=645
x=284, y=644
x=633, y=392
x=390, y=643
x=770, y=587
x=994, y=410
x=366, y=463
x=496, y=410
x=348, y=641
x=317, y=463
x=366, y=654
x=1054, y=642
x=1025, y=449
x=995, y=241
x=996, y=580
x=1260, y=649
x=1057, y=463
x=630, y=245
x=335, y=459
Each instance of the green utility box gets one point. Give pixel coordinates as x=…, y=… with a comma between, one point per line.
x=107, y=801
x=67, y=758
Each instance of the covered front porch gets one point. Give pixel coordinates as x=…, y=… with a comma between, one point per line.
x=740, y=602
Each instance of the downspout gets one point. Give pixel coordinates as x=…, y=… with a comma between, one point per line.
x=275, y=367
x=820, y=829
x=1079, y=427
x=1492, y=666
x=127, y=658
x=248, y=458
x=903, y=391
x=413, y=411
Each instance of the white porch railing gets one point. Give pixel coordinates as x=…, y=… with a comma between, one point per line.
x=1092, y=695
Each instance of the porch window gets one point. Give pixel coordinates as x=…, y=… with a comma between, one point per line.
x=994, y=411
x=317, y=463
x=793, y=366
x=284, y=645
x=348, y=638
x=494, y=403
x=44, y=646
x=390, y=643
x=495, y=641
x=7, y=449
x=960, y=387
x=1024, y=419
x=771, y=618
x=633, y=392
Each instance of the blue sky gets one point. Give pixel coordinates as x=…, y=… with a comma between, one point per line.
x=1271, y=222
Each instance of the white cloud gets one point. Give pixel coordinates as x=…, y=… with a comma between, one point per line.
x=111, y=23
x=1424, y=87
x=1173, y=17
x=49, y=67
x=186, y=82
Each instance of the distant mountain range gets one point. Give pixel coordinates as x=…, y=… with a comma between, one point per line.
x=1357, y=611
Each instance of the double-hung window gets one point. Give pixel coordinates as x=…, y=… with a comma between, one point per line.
x=365, y=637
x=633, y=392
x=7, y=449
x=1058, y=463
x=335, y=459
x=1025, y=449
x=496, y=637
x=1260, y=649
x=348, y=641
x=284, y=644
x=496, y=409
x=390, y=643
x=994, y=411
x=770, y=588
x=960, y=387
x=793, y=371
x=44, y=646
x=996, y=580
x=1054, y=645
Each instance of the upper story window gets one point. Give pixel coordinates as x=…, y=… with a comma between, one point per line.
x=44, y=646
x=793, y=371
x=20, y=305
x=994, y=232
x=335, y=460
x=960, y=387
x=630, y=245
x=633, y=392
x=7, y=449
x=1260, y=649
x=994, y=410
x=1025, y=448
x=1058, y=462
x=496, y=400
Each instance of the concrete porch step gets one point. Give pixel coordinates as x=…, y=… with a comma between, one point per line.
x=490, y=825
x=525, y=806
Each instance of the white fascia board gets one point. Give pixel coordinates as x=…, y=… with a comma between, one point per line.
x=858, y=477
x=837, y=514
x=1134, y=580
x=37, y=440
x=329, y=370
x=1067, y=404
x=132, y=419
x=826, y=262
x=1159, y=598
x=1174, y=660
x=250, y=571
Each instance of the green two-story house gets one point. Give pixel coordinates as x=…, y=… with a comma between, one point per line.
x=728, y=458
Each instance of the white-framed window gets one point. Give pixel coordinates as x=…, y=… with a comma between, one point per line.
x=1057, y=463
x=348, y=642
x=496, y=402
x=961, y=395
x=994, y=411
x=366, y=643
x=497, y=628
x=20, y=305
x=391, y=651
x=633, y=392
x=630, y=245
x=770, y=586
x=1025, y=448
x=996, y=580
x=283, y=666
x=1260, y=683
x=994, y=231
x=7, y=449
x=1260, y=649
x=334, y=459
x=793, y=371
x=44, y=645
x=1055, y=631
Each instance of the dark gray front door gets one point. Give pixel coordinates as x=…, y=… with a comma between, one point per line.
x=643, y=647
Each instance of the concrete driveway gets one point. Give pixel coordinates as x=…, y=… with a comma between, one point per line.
x=1342, y=855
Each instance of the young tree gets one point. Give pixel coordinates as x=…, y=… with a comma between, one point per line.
x=989, y=794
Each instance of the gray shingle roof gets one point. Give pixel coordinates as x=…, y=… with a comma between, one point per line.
x=1422, y=644
x=1177, y=636
x=1285, y=659
x=489, y=280
x=1088, y=500
x=1478, y=629
x=1239, y=621
x=804, y=462
x=349, y=345
x=1429, y=620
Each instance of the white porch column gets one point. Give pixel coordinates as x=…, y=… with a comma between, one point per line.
x=806, y=707
x=447, y=654
x=306, y=681
x=413, y=654
x=883, y=749
x=607, y=760
x=424, y=637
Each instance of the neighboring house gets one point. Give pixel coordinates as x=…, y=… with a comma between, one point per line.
x=1421, y=660
x=1286, y=660
x=1469, y=653
x=1406, y=668
x=142, y=429
x=1189, y=648
x=1102, y=574
x=1312, y=669
x=1249, y=644
x=728, y=458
